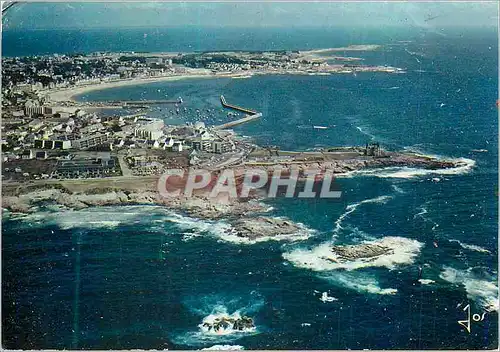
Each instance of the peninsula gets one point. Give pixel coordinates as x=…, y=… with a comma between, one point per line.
x=59, y=151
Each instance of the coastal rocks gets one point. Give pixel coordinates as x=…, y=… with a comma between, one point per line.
x=228, y=324
x=16, y=205
x=263, y=227
x=388, y=252
x=361, y=251
x=414, y=160
x=206, y=208
x=142, y=198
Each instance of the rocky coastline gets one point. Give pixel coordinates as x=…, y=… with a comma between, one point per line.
x=246, y=216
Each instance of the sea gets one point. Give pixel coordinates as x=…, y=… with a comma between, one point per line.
x=146, y=277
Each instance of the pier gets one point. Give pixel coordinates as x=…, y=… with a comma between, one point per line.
x=246, y=119
x=235, y=107
x=252, y=115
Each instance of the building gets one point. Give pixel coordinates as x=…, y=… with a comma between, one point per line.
x=35, y=125
x=51, y=144
x=92, y=128
x=31, y=111
x=222, y=146
x=41, y=155
x=149, y=129
x=90, y=141
x=86, y=168
x=178, y=146
x=27, y=154
x=154, y=61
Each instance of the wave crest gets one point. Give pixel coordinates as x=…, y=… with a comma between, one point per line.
x=409, y=172
x=483, y=292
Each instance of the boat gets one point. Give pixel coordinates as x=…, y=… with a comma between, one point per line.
x=320, y=127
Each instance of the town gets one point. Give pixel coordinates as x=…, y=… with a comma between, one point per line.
x=46, y=138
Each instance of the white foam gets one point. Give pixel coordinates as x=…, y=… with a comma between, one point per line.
x=325, y=298
x=426, y=281
x=404, y=251
x=198, y=227
x=421, y=213
x=352, y=207
x=90, y=218
x=483, y=292
x=408, y=172
x=301, y=235
x=219, y=313
x=357, y=281
x=366, y=132
x=223, y=348
x=397, y=189
x=225, y=232
x=212, y=308
x=471, y=247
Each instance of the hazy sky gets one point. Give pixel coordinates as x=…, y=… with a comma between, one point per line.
x=98, y=15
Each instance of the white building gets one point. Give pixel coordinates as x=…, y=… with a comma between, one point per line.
x=149, y=129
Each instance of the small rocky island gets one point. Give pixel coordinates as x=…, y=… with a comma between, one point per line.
x=227, y=323
x=263, y=227
x=365, y=251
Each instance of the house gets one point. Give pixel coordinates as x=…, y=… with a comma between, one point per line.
x=41, y=155
x=169, y=142
x=27, y=154
x=177, y=147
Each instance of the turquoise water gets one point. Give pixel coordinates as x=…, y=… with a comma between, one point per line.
x=144, y=277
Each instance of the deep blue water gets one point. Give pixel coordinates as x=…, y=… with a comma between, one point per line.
x=142, y=277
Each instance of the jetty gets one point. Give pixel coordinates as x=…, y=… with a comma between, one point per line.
x=235, y=107
x=252, y=115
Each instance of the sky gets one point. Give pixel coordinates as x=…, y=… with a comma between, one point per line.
x=61, y=15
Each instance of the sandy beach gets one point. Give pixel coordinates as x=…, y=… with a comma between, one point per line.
x=69, y=94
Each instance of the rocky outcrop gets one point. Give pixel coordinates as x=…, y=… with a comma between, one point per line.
x=361, y=251
x=254, y=228
x=229, y=323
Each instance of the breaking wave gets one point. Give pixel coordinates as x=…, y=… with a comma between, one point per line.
x=223, y=348
x=398, y=189
x=302, y=234
x=357, y=282
x=408, y=172
x=114, y=216
x=219, y=313
x=471, y=247
x=214, y=307
x=226, y=232
x=403, y=252
x=196, y=227
x=352, y=207
x=90, y=218
x=366, y=132
x=483, y=292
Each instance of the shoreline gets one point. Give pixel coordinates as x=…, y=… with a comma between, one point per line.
x=65, y=95
x=69, y=94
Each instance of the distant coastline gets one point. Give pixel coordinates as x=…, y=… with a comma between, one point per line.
x=316, y=59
